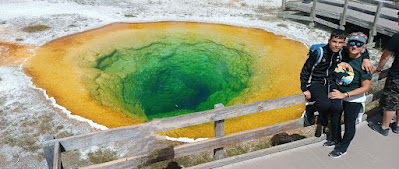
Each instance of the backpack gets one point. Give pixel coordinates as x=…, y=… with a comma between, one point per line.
x=319, y=49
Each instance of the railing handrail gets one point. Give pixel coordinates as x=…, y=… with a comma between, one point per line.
x=149, y=128
x=366, y=11
x=165, y=124
x=387, y=5
x=374, y=26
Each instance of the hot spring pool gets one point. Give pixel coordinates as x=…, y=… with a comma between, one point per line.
x=128, y=73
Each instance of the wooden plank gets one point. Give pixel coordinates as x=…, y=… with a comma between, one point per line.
x=373, y=30
x=386, y=27
x=382, y=75
x=218, y=132
x=48, y=150
x=57, y=156
x=296, y=17
x=166, y=124
x=392, y=6
x=372, y=13
x=259, y=153
x=387, y=5
x=142, y=132
x=313, y=14
x=129, y=162
x=145, y=131
x=374, y=2
x=209, y=144
x=236, y=138
x=342, y=22
x=324, y=22
x=374, y=96
x=337, y=4
x=219, y=128
x=283, y=4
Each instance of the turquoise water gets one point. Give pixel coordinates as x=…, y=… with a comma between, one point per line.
x=173, y=76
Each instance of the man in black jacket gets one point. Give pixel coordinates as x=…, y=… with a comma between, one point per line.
x=316, y=76
x=316, y=79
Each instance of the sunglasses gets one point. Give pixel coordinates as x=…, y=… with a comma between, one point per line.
x=358, y=44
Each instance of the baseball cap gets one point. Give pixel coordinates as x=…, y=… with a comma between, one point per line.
x=358, y=36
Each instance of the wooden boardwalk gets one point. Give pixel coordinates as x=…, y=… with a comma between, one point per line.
x=358, y=13
x=368, y=150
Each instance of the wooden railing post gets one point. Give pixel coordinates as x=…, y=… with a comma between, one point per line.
x=342, y=22
x=57, y=164
x=313, y=14
x=283, y=4
x=373, y=30
x=49, y=151
x=218, y=132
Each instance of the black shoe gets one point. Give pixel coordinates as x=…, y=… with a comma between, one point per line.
x=395, y=128
x=336, y=153
x=378, y=128
x=329, y=143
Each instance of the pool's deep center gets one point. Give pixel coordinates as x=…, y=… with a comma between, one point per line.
x=168, y=78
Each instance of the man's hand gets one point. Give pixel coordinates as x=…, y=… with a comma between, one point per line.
x=307, y=95
x=367, y=65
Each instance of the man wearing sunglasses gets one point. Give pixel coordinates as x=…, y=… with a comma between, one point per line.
x=316, y=77
x=390, y=97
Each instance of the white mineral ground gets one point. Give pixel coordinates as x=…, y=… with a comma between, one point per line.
x=26, y=113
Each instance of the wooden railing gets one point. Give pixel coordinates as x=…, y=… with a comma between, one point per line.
x=53, y=148
x=344, y=17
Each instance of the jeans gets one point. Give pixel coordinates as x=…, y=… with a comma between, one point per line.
x=351, y=111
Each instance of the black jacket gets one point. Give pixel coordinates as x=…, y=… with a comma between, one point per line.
x=322, y=72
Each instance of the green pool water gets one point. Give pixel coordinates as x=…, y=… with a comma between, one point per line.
x=171, y=76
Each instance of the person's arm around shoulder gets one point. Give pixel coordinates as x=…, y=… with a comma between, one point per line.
x=366, y=64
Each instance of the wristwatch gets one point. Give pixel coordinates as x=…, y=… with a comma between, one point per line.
x=378, y=70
